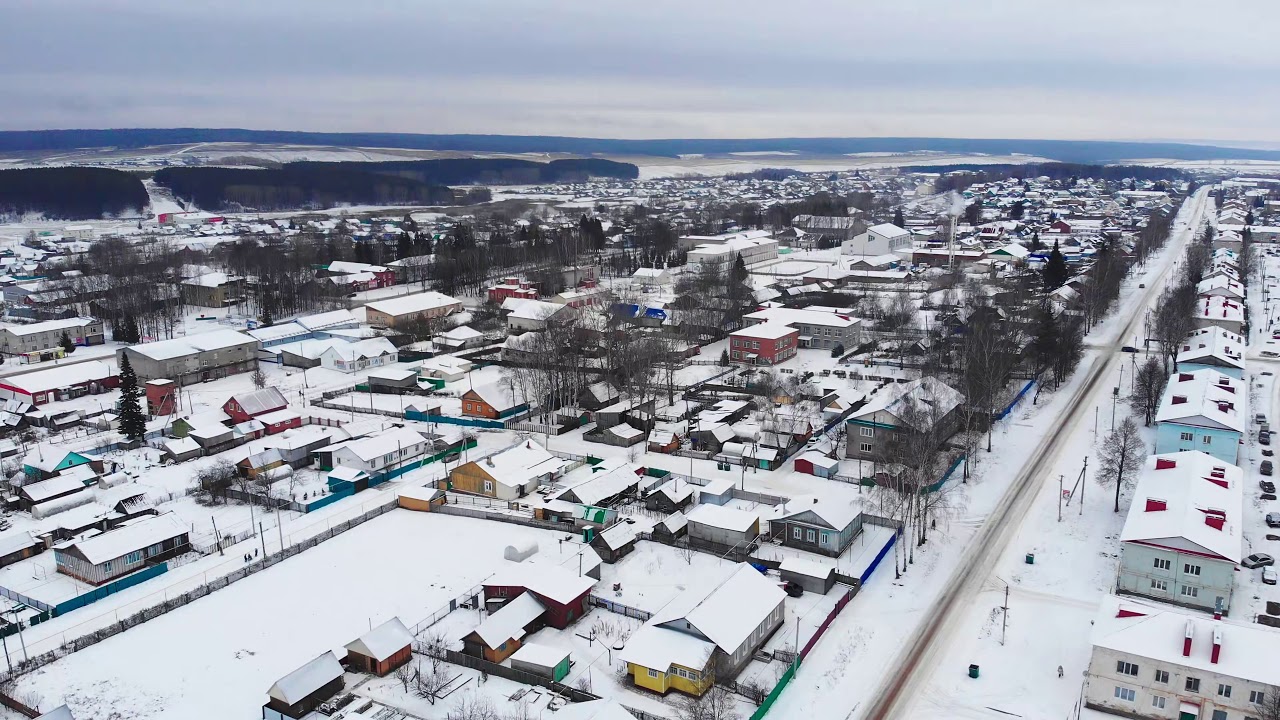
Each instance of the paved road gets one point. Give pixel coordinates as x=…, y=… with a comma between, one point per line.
x=915, y=663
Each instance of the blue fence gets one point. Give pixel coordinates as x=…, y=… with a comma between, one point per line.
x=866, y=574
x=329, y=499
x=947, y=475
x=110, y=588
x=466, y=422
x=1008, y=408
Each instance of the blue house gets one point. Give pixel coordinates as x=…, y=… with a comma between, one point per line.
x=1213, y=348
x=1202, y=410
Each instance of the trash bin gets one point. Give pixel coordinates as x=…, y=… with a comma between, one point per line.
x=1031, y=558
x=973, y=671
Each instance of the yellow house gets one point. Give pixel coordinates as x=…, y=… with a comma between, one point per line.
x=659, y=660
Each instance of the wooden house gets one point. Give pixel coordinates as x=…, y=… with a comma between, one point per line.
x=382, y=649
x=670, y=496
x=807, y=523
x=507, y=475
x=616, y=542
x=299, y=693
x=18, y=546
x=501, y=633
x=492, y=402
x=105, y=556
x=544, y=660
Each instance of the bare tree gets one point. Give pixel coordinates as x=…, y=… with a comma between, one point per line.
x=472, y=706
x=1121, y=455
x=716, y=703
x=213, y=481
x=1148, y=389
x=259, y=378
x=406, y=674
x=1173, y=320
x=1269, y=708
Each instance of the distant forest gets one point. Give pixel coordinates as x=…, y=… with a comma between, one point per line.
x=1080, y=151
x=317, y=185
x=1054, y=171
x=71, y=193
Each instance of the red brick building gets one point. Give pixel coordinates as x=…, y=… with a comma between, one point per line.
x=253, y=404
x=512, y=287
x=768, y=343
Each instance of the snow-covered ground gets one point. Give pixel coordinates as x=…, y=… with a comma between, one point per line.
x=216, y=657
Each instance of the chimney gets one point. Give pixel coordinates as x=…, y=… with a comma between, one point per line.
x=1186, y=642
x=1217, y=640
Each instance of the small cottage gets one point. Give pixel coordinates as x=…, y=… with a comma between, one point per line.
x=297, y=694
x=382, y=649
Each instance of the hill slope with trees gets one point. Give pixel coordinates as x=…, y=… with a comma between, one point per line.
x=71, y=193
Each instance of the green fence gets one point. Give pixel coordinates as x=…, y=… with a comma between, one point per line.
x=776, y=692
x=110, y=588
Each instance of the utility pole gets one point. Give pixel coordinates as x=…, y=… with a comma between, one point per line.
x=1095, y=424
x=1004, y=625
x=263, y=539
x=279, y=528
x=1084, y=480
x=217, y=538
x=1059, y=497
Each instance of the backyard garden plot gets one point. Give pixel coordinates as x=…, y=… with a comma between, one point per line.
x=216, y=657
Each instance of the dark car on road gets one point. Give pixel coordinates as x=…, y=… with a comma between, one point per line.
x=1267, y=486
x=1265, y=467
x=1273, y=520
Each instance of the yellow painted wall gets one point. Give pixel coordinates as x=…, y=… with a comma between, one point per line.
x=640, y=675
x=670, y=681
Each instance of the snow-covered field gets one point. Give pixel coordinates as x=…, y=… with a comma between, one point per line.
x=216, y=657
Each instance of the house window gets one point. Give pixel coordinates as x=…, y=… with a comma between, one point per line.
x=1193, y=685
x=1224, y=690
x=736, y=355
x=865, y=447
x=1207, y=439
x=488, y=486
x=1157, y=701
x=1219, y=715
x=866, y=432
x=1257, y=697
x=826, y=538
x=1189, y=569
x=795, y=532
x=1190, y=591
x=1126, y=668
x=1126, y=694
x=811, y=535
x=501, y=592
x=1160, y=585
x=1186, y=436
x=653, y=673
x=1162, y=564
x=1162, y=676
x=107, y=566
x=133, y=557
x=467, y=406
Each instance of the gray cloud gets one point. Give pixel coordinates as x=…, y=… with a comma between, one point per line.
x=707, y=68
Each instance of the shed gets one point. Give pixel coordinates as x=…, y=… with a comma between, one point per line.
x=716, y=492
x=382, y=649
x=303, y=690
x=720, y=525
x=815, y=463
x=813, y=577
x=544, y=660
x=501, y=633
x=182, y=449
x=422, y=499
x=670, y=496
x=673, y=526
x=613, y=544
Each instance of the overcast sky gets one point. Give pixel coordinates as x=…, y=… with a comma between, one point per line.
x=1109, y=69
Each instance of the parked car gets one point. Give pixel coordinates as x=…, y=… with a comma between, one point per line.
x=1267, y=496
x=1268, y=576
x=1265, y=467
x=1259, y=418
x=1264, y=438
x=1258, y=560
x=1273, y=520
x=1267, y=486
x=1268, y=452
x=792, y=588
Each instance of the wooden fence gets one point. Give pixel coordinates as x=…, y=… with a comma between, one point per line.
x=519, y=676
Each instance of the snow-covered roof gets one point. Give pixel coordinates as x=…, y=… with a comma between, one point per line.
x=806, y=567
x=1156, y=631
x=54, y=486
x=625, y=431
x=519, y=464
x=731, y=612
x=59, y=377
x=323, y=320
x=524, y=309
x=260, y=401
x=888, y=230
x=192, y=344
x=383, y=641
x=619, y=536
x=181, y=446
x=499, y=395
x=277, y=332
x=723, y=517
x=510, y=620
x=675, y=490
x=771, y=330
x=1216, y=307
x=660, y=648
x=347, y=473
x=209, y=280
x=50, y=325
x=307, y=679
x=128, y=537
x=819, y=460
x=277, y=416
x=835, y=513
x=420, y=302
x=592, y=486
x=1013, y=250
x=384, y=443
x=802, y=316
x=550, y=581
x=1213, y=343
x=546, y=656
x=1188, y=501
x=928, y=395
x=1204, y=398
x=675, y=522
x=1220, y=282
x=15, y=541
x=717, y=487
x=462, y=333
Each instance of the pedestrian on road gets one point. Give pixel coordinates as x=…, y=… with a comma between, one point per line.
x=1059, y=671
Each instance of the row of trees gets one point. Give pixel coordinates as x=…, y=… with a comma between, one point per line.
x=71, y=193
